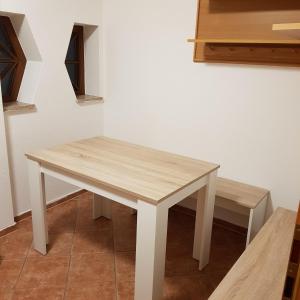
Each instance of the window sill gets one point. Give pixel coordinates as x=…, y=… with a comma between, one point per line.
x=81, y=99
x=18, y=107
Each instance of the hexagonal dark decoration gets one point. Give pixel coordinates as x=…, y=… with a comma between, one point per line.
x=75, y=60
x=12, y=61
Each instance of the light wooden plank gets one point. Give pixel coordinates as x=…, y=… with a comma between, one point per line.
x=288, y=29
x=241, y=41
x=81, y=99
x=242, y=194
x=260, y=272
x=142, y=172
x=18, y=107
x=238, y=193
x=286, y=26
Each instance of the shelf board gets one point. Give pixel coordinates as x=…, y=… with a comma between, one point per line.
x=286, y=26
x=17, y=106
x=243, y=41
x=293, y=29
x=81, y=99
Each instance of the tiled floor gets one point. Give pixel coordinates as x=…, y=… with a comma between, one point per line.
x=90, y=259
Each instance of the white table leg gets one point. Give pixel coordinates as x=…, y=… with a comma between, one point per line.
x=101, y=207
x=38, y=206
x=204, y=221
x=152, y=224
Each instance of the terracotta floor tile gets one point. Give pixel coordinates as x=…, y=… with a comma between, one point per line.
x=15, y=245
x=85, y=222
x=125, y=290
x=180, y=220
x=215, y=277
x=181, y=265
x=93, y=242
x=175, y=288
x=125, y=233
x=62, y=218
x=119, y=210
x=39, y=293
x=9, y=272
x=44, y=272
x=25, y=225
x=125, y=266
x=60, y=245
x=103, y=291
x=87, y=259
x=187, y=288
x=92, y=268
x=6, y=294
x=84, y=201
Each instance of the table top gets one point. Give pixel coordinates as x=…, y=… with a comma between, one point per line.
x=261, y=270
x=141, y=172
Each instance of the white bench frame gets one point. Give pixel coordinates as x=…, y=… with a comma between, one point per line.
x=257, y=219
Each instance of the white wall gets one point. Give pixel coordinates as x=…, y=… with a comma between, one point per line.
x=6, y=209
x=246, y=118
x=58, y=118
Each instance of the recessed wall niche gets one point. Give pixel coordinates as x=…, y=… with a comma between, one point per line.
x=83, y=63
x=29, y=84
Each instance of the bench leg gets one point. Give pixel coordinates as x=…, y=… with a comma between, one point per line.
x=256, y=219
x=204, y=221
x=38, y=206
x=101, y=207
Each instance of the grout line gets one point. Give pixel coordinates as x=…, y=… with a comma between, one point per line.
x=71, y=251
x=115, y=252
x=22, y=268
x=67, y=279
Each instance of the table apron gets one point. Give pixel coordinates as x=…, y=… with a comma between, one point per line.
x=168, y=202
x=185, y=192
x=89, y=187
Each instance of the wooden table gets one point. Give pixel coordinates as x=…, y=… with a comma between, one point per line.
x=144, y=179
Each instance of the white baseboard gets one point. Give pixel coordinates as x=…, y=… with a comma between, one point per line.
x=52, y=201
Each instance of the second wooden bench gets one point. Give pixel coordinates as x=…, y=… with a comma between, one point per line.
x=243, y=199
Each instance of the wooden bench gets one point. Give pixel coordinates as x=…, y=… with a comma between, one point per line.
x=245, y=199
x=259, y=274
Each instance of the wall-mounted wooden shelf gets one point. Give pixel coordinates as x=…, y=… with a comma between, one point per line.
x=243, y=41
x=254, y=32
x=18, y=107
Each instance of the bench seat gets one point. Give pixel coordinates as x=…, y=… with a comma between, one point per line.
x=242, y=194
x=259, y=274
x=243, y=199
